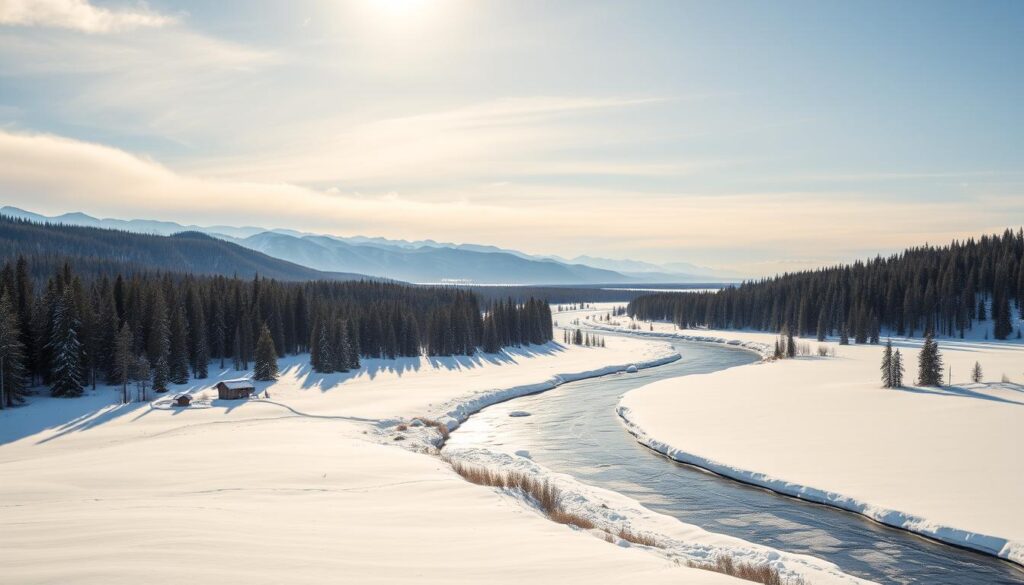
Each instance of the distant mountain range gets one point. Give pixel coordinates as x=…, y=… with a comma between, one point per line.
x=413, y=261
x=100, y=250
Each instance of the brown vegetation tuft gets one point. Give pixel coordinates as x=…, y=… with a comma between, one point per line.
x=547, y=496
x=440, y=426
x=765, y=574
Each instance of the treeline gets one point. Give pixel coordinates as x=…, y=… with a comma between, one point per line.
x=939, y=289
x=70, y=331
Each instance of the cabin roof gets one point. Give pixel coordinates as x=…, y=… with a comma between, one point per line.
x=237, y=384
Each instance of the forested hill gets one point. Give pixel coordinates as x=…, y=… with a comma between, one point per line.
x=106, y=251
x=944, y=289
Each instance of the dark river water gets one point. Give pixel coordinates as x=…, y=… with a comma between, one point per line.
x=573, y=429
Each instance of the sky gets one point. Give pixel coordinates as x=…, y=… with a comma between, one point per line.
x=757, y=137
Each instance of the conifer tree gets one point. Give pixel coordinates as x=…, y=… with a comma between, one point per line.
x=158, y=345
x=929, y=371
x=790, y=344
x=123, y=360
x=887, y=366
x=65, y=348
x=1002, y=327
x=140, y=374
x=178, y=356
x=12, y=356
x=266, y=356
x=976, y=373
x=220, y=333
x=897, y=370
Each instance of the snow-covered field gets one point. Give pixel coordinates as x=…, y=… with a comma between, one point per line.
x=944, y=462
x=296, y=486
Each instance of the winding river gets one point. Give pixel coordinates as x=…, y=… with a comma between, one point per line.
x=573, y=429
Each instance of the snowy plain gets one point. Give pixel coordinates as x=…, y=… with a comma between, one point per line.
x=304, y=484
x=941, y=462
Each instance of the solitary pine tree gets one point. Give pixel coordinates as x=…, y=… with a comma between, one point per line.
x=790, y=344
x=976, y=373
x=886, y=368
x=12, y=356
x=897, y=370
x=929, y=361
x=266, y=356
x=844, y=336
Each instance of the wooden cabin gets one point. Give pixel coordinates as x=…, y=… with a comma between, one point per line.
x=235, y=389
x=182, y=400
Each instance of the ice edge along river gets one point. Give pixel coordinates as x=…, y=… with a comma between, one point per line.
x=681, y=542
x=993, y=545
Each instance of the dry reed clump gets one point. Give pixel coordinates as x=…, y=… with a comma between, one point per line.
x=440, y=426
x=547, y=497
x=765, y=574
x=642, y=539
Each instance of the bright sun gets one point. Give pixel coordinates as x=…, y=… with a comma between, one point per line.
x=398, y=8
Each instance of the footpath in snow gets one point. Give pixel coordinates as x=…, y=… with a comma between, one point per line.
x=941, y=462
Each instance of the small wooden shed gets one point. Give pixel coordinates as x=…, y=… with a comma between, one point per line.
x=182, y=400
x=235, y=389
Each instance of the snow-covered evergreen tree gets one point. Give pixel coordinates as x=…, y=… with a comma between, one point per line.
x=976, y=373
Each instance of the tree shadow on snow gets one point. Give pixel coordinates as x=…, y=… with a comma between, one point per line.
x=964, y=392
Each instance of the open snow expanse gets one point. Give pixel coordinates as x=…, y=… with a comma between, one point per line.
x=944, y=462
x=295, y=486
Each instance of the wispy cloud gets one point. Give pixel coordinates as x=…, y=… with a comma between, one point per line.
x=51, y=173
x=79, y=15
x=485, y=141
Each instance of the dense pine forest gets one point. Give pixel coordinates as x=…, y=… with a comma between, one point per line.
x=944, y=290
x=69, y=330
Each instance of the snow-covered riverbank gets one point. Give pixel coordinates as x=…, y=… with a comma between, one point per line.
x=939, y=462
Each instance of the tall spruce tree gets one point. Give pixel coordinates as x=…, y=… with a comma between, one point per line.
x=12, y=355
x=887, y=369
x=123, y=360
x=929, y=361
x=158, y=343
x=1001, y=326
x=66, y=379
x=266, y=356
x=897, y=370
x=179, y=355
